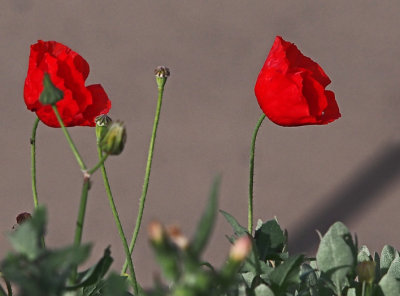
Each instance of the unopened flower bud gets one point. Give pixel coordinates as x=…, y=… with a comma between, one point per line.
x=156, y=232
x=162, y=73
x=21, y=218
x=240, y=249
x=50, y=94
x=102, y=122
x=113, y=141
x=177, y=237
x=366, y=271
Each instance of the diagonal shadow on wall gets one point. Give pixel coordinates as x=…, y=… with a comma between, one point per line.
x=348, y=201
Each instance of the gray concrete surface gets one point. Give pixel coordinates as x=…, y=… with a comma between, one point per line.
x=308, y=176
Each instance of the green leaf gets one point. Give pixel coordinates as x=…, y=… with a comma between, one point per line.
x=115, y=285
x=270, y=239
x=387, y=256
x=389, y=286
x=95, y=273
x=335, y=256
x=308, y=276
x=351, y=292
x=286, y=274
x=27, y=238
x=207, y=221
x=238, y=229
x=363, y=254
x=263, y=290
x=45, y=275
x=394, y=269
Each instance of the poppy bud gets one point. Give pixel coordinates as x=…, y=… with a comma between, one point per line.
x=240, y=249
x=177, y=237
x=366, y=271
x=162, y=73
x=21, y=218
x=50, y=94
x=113, y=141
x=102, y=122
x=156, y=232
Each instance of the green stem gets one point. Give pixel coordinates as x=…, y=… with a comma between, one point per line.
x=69, y=139
x=33, y=169
x=118, y=223
x=81, y=219
x=82, y=210
x=102, y=159
x=33, y=162
x=252, y=150
x=146, y=177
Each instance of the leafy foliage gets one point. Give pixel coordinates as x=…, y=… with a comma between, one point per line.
x=39, y=271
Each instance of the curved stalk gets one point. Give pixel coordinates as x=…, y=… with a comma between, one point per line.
x=251, y=177
x=33, y=162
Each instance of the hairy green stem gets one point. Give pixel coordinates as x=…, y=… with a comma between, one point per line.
x=146, y=177
x=251, y=177
x=80, y=220
x=102, y=159
x=33, y=169
x=33, y=162
x=69, y=139
x=118, y=224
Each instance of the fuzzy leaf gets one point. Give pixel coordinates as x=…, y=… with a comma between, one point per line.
x=287, y=273
x=389, y=286
x=263, y=290
x=95, y=273
x=363, y=254
x=387, y=256
x=335, y=256
x=26, y=239
x=394, y=269
x=270, y=239
x=238, y=229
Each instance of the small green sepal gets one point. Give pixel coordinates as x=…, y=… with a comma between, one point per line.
x=50, y=94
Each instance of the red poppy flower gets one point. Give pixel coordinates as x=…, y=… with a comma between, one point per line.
x=68, y=72
x=290, y=88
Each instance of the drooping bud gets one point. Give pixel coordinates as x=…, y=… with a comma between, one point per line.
x=366, y=271
x=21, y=218
x=156, y=232
x=50, y=94
x=113, y=141
x=177, y=237
x=162, y=73
x=240, y=249
x=102, y=122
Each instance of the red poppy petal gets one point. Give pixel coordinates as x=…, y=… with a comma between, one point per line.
x=331, y=112
x=101, y=104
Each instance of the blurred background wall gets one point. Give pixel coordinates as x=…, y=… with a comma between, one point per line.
x=308, y=177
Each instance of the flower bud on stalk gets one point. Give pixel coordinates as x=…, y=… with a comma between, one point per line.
x=162, y=73
x=113, y=141
x=21, y=218
x=156, y=232
x=50, y=94
x=366, y=271
x=102, y=122
x=239, y=251
x=177, y=237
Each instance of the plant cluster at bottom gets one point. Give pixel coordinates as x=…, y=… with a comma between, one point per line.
x=258, y=265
